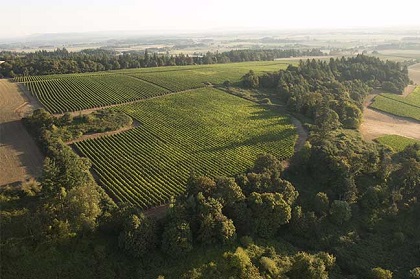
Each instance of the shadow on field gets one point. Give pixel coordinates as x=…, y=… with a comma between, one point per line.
x=17, y=149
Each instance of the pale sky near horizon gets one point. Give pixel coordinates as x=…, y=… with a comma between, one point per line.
x=25, y=17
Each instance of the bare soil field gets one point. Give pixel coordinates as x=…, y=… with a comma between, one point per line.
x=19, y=156
x=376, y=124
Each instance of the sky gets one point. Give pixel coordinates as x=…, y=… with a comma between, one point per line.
x=26, y=17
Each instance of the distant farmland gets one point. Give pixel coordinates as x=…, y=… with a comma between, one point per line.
x=75, y=92
x=205, y=131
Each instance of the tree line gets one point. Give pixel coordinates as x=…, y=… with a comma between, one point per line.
x=61, y=61
x=332, y=93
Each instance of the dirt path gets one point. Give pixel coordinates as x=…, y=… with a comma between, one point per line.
x=376, y=124
x=19, y=156
x=302, y=134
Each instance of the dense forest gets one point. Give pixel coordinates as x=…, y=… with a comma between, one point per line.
x=340, y=208
x=62, y=61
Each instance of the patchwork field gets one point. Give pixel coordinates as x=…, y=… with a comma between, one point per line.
x=401, y=106
x=205, y=131
x=75, y=92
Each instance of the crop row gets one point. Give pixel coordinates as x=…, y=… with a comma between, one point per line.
x=396, y=107
x=397, y=143
x=205, y=131
x=74, y=94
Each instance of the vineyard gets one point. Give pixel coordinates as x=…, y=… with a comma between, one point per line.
x=78, y=93
x=402, y=106
x=75, y=92
x=204, y=131
x=397, y=143
x=195, y=77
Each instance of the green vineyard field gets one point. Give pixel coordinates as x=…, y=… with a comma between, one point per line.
x=397, y=143
x=401, y=106
x=75, y=92
x=86, y=92
x=205, y=131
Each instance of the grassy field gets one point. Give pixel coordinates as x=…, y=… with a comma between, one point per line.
x=401, y=106
x=75, y=92
x=397, y=143
x=205, y=131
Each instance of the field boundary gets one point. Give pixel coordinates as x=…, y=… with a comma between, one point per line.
x=376, y=123
x=134, y=125
x=146, y=81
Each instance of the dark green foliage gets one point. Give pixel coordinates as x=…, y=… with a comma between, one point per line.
x=228, y=192
x=336, y=161
x=306, y=266
x=267, y=163
x=340, y=212
x=139, y=235
x=239, y=265
x=214, y=227
x=201, y=184
x=250, y=80
x=326, y=121
x=321, y=203
x=268, y=212
x=177, y=238
x=404, y=183
x=61, y=61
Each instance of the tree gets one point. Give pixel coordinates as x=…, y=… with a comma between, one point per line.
x=250, y=80
x=177, y=238
x=321, y=203
x=139, y=235
x=415, y=273
x=326, y=120
x=227, y=191
x=267, y=163
x=269, y=211
x=306, y=266
x=66, y=119
x=340, y=212
x=202, y=184
x=239, y=265
x=380, y=273
x=213, y=225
